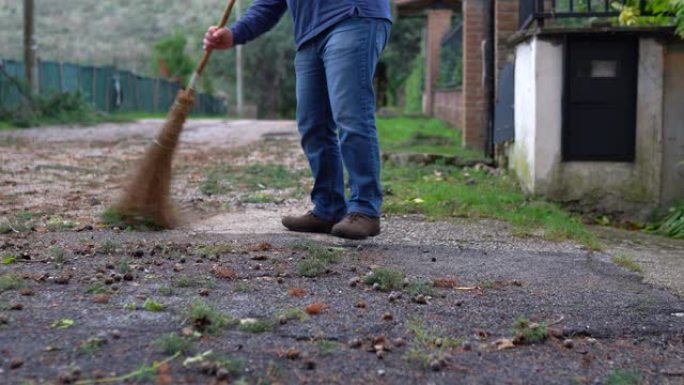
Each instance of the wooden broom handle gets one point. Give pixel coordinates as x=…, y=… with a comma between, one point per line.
x=207, y=53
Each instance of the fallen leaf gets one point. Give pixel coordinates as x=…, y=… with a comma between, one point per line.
x=163, y=376
x=444, y=283
x=223, y=272
x=297, y=292
x=466, y=288
x=63, y=323
x=315, y=308
x=418, y=200
x=101, y=298
x=263, y=246
x=290, y=354
x=503, y=343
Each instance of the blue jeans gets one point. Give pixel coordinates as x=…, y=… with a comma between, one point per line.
x=336, y=115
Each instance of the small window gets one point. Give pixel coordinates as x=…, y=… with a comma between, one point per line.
x=598, y=69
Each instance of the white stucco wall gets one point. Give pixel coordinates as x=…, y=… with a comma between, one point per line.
x=523, y=154
x=536, y=156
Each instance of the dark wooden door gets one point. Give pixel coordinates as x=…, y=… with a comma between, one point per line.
x=600, y=99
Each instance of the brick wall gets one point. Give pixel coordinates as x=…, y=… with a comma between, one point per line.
x=475, y=27
x=438, y=24
x=448, y=106
x=506, y=15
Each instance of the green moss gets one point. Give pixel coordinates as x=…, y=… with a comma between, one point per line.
x=11, y=281
x=628, y=263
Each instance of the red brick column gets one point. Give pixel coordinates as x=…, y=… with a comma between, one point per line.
x=438, y=24
x=475, y=17
x=506, y=15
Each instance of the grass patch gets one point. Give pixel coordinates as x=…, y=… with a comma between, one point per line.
x=441, y=192
x=424, y=135
x=172, y=343
x=188, y=281
x=92, y=345
x=111, y=217
x=326, y=347
x=293, y=313
x=256, y=326
x=153, y=306
x=317, y=258
x=225, y=178
x=623, y=377
x=97, y=288
x=417, y=287
x=242, y=287
x=11, y=281
x=428, y=345
x=166, y=291
x=530, y=332
x=59, y=224
x=388, y=279
x=628, y=263
x=109, y=247
x=206, y=318
x=259, y=197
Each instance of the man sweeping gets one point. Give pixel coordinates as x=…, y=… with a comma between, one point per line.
x=338, y=46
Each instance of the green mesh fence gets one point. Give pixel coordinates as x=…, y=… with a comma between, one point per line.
x=108, y=89
x=10, y=97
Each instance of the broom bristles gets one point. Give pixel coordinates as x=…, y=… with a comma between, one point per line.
x=147, y=195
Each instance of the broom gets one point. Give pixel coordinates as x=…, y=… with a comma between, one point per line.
x=146, y=198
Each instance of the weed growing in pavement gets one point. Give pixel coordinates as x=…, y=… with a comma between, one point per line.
x=57, y=254
x=11, y=281
x=130, y=306
x=623, y=377
x=215, y=250
x=110, y=217
x=109, y=247
x=417, y=287
x=428, y=347
x=310, y=268
x=326, y=347
x=191, y=281
x=256, y=326
x=388, y=279
x=165, y=291
x=92, y=345
x=97, y=288
x=320, y=252
x=242, y=287
x=172, y=343
x=317, y=258
x=153, y=306
x=530, y=331
x=57, y=223
x=293, y=313
x=234, y=366
x=206, y=318
x=628, y=263
x=123, y=266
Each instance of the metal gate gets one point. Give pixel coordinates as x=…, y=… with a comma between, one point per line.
x=600, y=99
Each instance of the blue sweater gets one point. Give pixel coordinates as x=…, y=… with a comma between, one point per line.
x=311, y=17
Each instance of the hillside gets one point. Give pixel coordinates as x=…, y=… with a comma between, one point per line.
x=120, y=32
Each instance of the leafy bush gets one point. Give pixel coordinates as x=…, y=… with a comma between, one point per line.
x=66, y=108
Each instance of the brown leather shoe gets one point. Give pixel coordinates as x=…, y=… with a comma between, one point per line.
x=357, y=226
x=308, y=223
